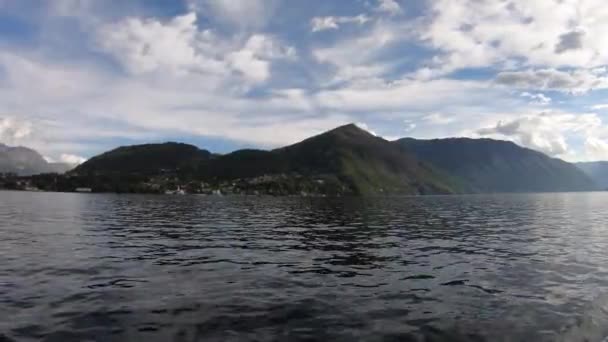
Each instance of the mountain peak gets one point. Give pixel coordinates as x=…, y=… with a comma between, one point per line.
x=350, y=130
x=351, y=127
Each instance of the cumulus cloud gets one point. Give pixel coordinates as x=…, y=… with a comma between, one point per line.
x=71, y=159
x=333, y=23
x=20, y=132
x=222, y=71
x=473, y=33
x=546, y=132
x=577, y=81
x=389, y=6
x=596, y=149
x=142, y=108
x=253, y=60
x=12, y=131
x=145, y=45
x=178, y=46
x=531, y=132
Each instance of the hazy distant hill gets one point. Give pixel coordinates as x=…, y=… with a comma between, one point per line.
x=485, y=165
x=24, y=162
x=61, y=167
x=145, y=159
x=363, y=162
x=598, y=171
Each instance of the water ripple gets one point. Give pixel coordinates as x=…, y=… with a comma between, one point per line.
x=189, y=268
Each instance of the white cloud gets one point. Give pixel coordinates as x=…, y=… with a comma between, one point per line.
x=554, y=34
x=409, y=127
x=179, y=47
x=61, y=82
x=253, y=60
x=71, y=159
x=365, y=127
x=406, y=93
x=12, y=130
x=389, y=6
x=600, y=106
x=142, y=108
x=537, y=99
x=333, y=23
x=439, y=119
x=245, y=61
x=22, y=132
x=149, y=45
x=596, y=149
x=295, y=98
x=549, y=132
x=358, y=57
x=576, y=82
x=533, y=132
x=217, y=72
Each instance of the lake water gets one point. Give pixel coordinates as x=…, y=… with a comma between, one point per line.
x=191, y=268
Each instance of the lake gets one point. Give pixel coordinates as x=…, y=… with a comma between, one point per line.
x=82, y=267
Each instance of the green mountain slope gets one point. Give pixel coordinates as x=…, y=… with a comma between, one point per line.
x=485, y=165
x=345, y=160
x=147, y=159
x=362, y=162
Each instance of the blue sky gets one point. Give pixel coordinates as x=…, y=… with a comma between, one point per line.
x=78, y=77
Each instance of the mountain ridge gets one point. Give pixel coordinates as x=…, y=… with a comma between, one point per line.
x=361, y=162
x=488, y=165
x=351, y=160
x=144, y=158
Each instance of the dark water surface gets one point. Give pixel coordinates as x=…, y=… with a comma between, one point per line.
x=188, y=268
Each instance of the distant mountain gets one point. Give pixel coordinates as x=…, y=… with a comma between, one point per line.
x=145, y=159
x=361, y=161
x=597, y=171
x=25, y=161
x=485, y=165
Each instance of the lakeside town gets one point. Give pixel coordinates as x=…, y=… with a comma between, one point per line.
x=279, y=185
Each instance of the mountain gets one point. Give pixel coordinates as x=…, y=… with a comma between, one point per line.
x=597, y=171
x=145, y=159
x=345, y=160
x=362, y=162
x=25, y=162
x=486, y=165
